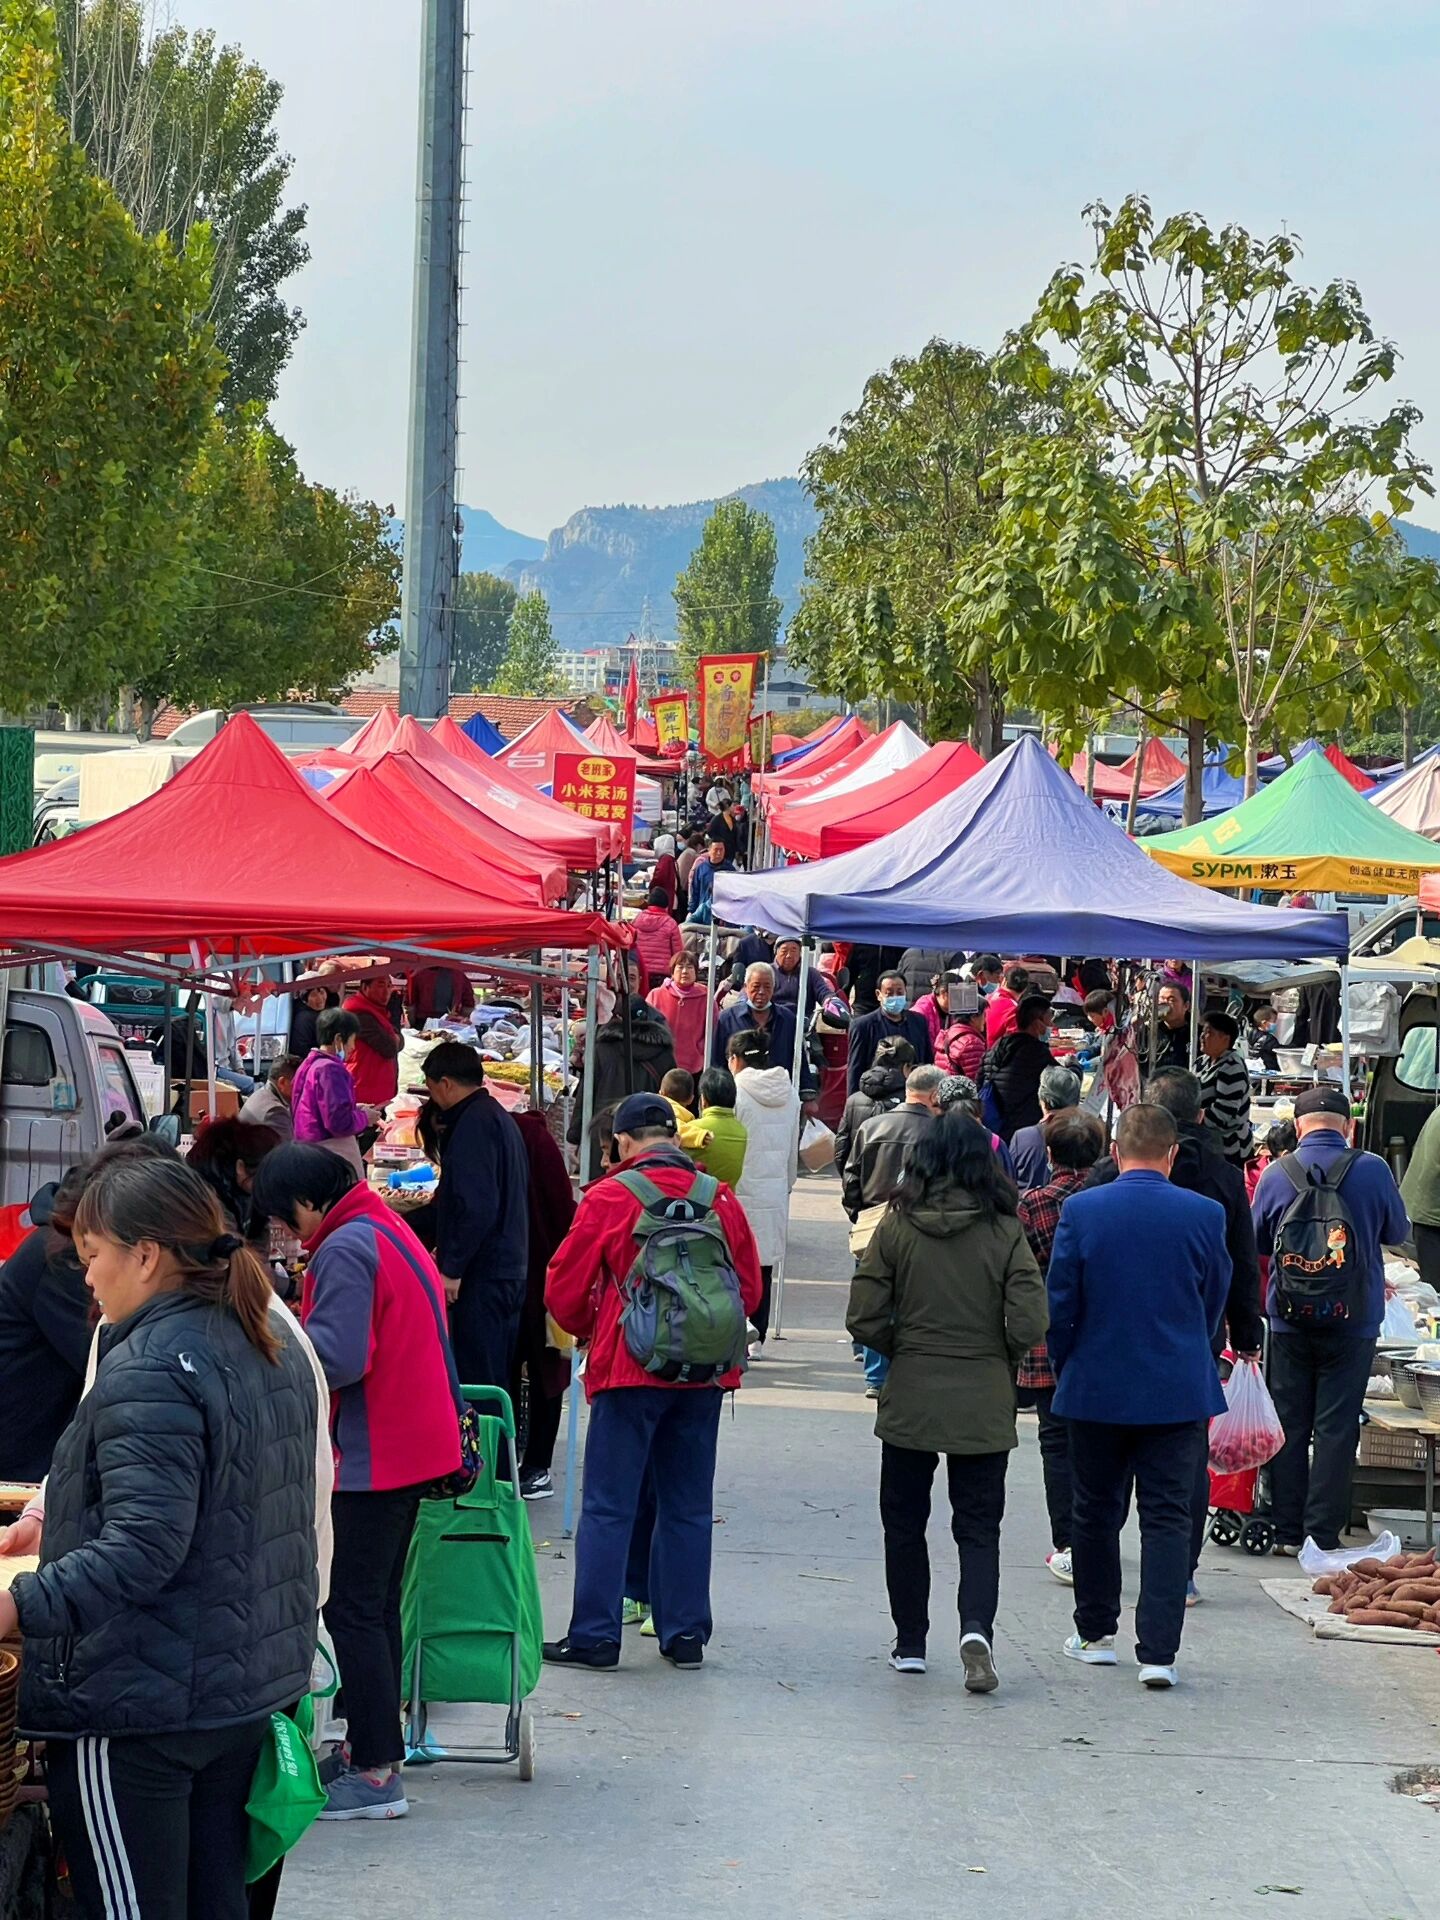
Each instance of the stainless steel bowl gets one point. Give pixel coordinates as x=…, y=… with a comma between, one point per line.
x=1407, y=1387
x=1427, y=1379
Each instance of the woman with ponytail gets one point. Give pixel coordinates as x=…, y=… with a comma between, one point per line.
x=174, y=1607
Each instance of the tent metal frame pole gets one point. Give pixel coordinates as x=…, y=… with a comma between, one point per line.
x=1345, y=1031
x=565, y=1050
x=537, y=1043
x=710, y=995
x=587, y=1115
x=1194, y=1013
x=777, y=1300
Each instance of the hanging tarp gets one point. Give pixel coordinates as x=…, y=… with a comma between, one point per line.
x=855, y=819
x=178, y=874
x=1309, y=828
x=1018, y=860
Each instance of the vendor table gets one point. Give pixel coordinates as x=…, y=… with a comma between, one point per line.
x=1389, y=1417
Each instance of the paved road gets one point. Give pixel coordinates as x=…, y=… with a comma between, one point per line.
x=796, y=1772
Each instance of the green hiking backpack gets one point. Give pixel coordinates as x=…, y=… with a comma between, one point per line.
x=683, y=1319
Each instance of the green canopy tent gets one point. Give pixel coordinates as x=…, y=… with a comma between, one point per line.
x=1308, y=829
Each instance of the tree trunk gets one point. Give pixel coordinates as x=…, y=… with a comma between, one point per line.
x=1194, y=772
x=1252, y=760
x=997, y=723
x=980, y=719
x=1407, y=736
x=1090, y=766
x=1139, y=768
x=146, y=717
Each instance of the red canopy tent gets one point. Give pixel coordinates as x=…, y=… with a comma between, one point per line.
x=192, y=870
x=607, y=738
x=420, y=834
x=643, y=735
x=455, y=740
x=414, y=790
x=841, y=745
x=507, y=797
x=376, y=734
x=532, y=753
x=1159, y=769
x=855, y=819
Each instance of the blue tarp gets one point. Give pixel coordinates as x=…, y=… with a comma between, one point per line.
x=486, y=736
x=1219, y=790
x=1018, y=860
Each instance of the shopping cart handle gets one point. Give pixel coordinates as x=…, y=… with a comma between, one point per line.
x=500, y=1404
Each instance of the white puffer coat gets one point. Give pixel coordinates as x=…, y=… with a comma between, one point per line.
x=769, y=1109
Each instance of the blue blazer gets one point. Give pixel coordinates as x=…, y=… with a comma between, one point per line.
x=1138, y=1280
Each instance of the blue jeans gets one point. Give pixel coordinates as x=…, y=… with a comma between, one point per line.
x=877, y=1365
x=228, y=1077
x=673, y=1431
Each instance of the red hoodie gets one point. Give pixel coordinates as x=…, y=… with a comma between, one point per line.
x=582, y=1285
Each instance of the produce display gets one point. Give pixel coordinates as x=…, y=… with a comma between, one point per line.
x=1403, y=1591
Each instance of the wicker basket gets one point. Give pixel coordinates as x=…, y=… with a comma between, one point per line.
x=9, y=1694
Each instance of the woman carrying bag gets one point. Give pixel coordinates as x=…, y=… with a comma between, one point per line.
x=949, y=1291
x=174, y=1607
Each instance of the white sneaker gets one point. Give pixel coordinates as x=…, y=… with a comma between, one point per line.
x=908, y=1662
x=1092, y=1653
x=979, y=1663
x=752, y=1334
x=1060, y=1565
x=1158, y=1678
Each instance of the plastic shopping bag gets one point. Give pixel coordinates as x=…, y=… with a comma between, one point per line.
x=1248, y=1433
x=1317, y=1560
x=817, y=1146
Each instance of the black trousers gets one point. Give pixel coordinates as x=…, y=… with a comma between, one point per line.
x=1055, y=1466
x=156, y=1826
x=1317, y=1380
x=372, y=1538
x=484, y=1332
x=1427, y=1253
x=542, y=1427
x=977, y=1505
x=1161, y=1460
x=760, y=1318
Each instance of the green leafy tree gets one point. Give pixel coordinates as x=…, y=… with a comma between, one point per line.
x=184, y=132
x=293, y=589
x=725, y=600
x=1203, y=545
x=483, y=606
x=906, y=487
x=529, y=667
x=108, y=381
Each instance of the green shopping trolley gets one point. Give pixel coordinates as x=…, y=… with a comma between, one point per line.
x=470, y=1606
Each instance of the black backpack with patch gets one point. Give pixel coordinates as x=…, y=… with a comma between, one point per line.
x=1315, y=1267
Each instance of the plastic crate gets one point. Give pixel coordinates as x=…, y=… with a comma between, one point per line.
x=1404, y=1450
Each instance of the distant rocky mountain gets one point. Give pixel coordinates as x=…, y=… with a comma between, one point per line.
x=600, y=568
x=487, y=547
x=1423, y=542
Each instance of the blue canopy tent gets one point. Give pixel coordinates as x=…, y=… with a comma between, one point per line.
x=486, y=735
x=1219, y=790
x=1018, y=860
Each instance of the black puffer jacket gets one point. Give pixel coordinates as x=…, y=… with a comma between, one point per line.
x=1013, y=1068
x=177, y=1587
x=881, y=1088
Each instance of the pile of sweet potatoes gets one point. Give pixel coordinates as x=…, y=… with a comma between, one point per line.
x=1402, y=1592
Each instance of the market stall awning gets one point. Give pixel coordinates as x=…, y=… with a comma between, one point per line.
x=809, y=742
x=1309, y=828
x=837, y=747
x=411, y=784
x=456, y=740
x=1411, y=799
x=1159, y=768
x=1220, y=789
x=881, y=755
x=416, y=831
x=376, y=734
x=236, y=859
x=1358, y=778
x=1018, y=860
x=603, y=734
x=855, y=819
x=485, y=734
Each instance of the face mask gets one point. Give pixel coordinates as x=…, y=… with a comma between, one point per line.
x=894, y=1003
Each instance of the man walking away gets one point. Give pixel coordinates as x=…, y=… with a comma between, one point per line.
x=1137, y=1283
x=1074, y=1141
x=893, y=1018
x=482, y=1222
x=1059, y=1093
x=640, y=1420
x=1324, y=1215
x=882, y=1086
x=1225, y=1088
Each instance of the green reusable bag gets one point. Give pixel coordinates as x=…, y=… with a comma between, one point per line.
x=285, y=1794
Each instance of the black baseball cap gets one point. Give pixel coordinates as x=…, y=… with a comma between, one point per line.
x=1322, y=1100
x=644, y=1113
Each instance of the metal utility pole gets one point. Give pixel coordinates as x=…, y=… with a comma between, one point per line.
x=431, y=545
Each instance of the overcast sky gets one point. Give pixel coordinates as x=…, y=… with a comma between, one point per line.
x=696, y=226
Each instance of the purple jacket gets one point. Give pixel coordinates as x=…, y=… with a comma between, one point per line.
x=322, y=1100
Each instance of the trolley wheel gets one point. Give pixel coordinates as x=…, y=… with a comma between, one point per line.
x=527, y=1744
x=1257, y=1537
x=1226, y=1528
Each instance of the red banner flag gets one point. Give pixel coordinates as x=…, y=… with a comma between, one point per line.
x=598, y=787
x=671, y=714
x=727, y=690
